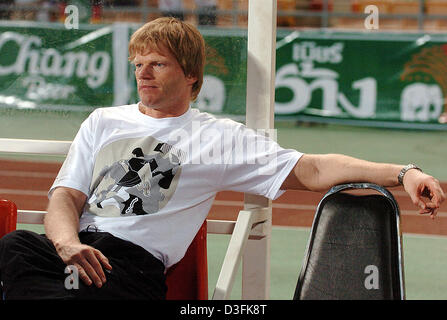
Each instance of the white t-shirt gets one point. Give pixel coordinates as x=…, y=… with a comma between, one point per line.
x=152, y=181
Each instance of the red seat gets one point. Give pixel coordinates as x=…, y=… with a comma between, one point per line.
x=186, y=280
x=8, y=217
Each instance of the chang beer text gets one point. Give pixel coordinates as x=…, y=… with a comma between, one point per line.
x=302, y=77
x=36, y=66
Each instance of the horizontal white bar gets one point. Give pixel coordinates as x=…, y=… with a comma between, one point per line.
x=24, y=192
x=220, y=226
x=30, y=216
x=27, y=174
x=213, y=226
x=34, y=146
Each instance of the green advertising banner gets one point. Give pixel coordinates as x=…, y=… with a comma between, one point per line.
x=373, y=77
x=378, y=79
x=51, y=67
x=225, y=77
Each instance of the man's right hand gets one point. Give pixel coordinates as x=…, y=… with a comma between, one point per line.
x=62, y=225
x=88, y=261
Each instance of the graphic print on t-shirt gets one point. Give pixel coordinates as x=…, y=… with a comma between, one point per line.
x=134, y=177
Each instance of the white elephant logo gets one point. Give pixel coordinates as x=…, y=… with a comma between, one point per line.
x=212, y=95
x=421, y=102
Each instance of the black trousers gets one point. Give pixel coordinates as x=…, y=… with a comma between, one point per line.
x=30, y=268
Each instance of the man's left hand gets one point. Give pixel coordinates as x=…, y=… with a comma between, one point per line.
x=425, y=192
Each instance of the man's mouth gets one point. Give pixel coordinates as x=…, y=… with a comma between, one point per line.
x=147, y=87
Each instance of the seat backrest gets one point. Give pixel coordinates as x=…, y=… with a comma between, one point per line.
x=8, y=217
x=186, y=280
x=355, y=248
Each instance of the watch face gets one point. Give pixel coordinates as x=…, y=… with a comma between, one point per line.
x=404, y=170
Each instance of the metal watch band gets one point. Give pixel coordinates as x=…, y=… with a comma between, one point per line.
x=404, y=170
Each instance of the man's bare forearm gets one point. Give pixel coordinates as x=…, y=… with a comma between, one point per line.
x=336, y=169
x=62, y=226
x=62, y=220
x=321, y=172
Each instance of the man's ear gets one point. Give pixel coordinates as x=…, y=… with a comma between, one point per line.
x=191, y=79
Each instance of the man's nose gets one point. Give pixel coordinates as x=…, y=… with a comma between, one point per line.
x=145, y=72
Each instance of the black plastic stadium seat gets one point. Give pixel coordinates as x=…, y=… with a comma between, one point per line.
x=355, y=248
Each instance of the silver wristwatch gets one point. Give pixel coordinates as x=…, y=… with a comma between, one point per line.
x=404, y=170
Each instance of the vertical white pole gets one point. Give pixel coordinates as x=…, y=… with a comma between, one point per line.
x=120, y=64
x=259, y=115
